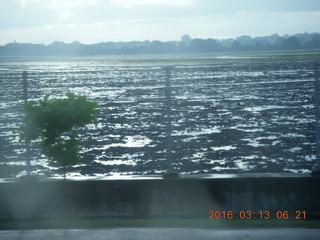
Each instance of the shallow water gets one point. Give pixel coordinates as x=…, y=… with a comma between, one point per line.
x=232, y=114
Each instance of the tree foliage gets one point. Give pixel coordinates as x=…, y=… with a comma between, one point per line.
x=54, y=121
x=186, y=45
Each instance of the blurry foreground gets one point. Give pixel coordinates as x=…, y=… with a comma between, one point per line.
x=165, y=234
x=237, y=197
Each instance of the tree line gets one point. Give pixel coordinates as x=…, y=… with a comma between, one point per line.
x=301, y=41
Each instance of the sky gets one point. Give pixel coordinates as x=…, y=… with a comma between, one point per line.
x=93, y=21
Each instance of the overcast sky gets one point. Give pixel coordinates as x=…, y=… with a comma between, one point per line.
x=91, y=21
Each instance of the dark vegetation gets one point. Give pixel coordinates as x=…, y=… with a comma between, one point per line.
x=54, y=121
x=301, y=41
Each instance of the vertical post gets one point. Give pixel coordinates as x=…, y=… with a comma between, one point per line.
x=25, y=86
x=168, y=113
x=317, y=113
x=25, y=98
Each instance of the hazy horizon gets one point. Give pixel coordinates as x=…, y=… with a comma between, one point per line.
x=173, y=40
x=92, y=21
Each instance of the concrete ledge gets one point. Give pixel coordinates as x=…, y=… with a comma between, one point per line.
x=160, y=176
x=152, y=196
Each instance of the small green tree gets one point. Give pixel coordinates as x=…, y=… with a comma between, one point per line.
x=54, y=122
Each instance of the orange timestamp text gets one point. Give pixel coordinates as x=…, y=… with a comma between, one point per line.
x=281, y=214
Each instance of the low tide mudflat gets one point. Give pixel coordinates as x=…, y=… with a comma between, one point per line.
x=230, y=112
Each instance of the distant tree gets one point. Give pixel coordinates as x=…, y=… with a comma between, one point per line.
x=235, y=46
x=54, y=121
x=186, y=44
x=244, y=39
x=203, y=45
x=162, y=47
x=186, y=39
x=291, y=43
x=314, y=42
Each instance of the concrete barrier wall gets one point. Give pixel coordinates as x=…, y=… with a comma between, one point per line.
x=159, y=198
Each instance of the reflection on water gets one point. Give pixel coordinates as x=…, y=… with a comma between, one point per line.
x=229, y=114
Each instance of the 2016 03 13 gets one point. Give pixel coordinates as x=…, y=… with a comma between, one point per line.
x=263, y=214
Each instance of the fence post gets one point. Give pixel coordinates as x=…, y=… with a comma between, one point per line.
x=317, y=113
x=25, y=98
x=168, y=114
x=170, y=172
